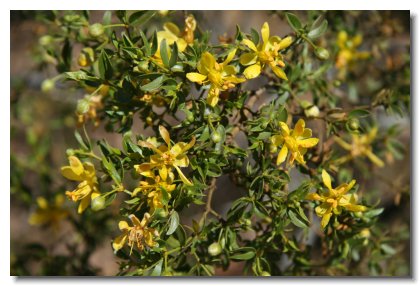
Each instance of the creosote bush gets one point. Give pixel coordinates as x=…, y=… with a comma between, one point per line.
x=290, y=119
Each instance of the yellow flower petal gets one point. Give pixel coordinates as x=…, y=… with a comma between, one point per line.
x=265, y=32
x=172, y=28
x=307, y=133
x=355, y=208
x=326, y=179
x=277, y=140
x=134, y=220
x=308, y=143
x=284, y=43
x=196, y=77
x=350, y=185
x=42, y=203
x=342, y=143
x=279, y=72
x=182, y=44
x=250, y=44
x=299, y=128
x=325, y=219
x=252, y=71
x=165, y=135
x=68, y=173
x=76, y=165
x=119, y=242
x=247, y=59
x=163, y=172
x=123, y=225
x=206, y=63
x=284, y=128
x=375, y=159
x=182, y=176
x=313, y=197
x=282, y=155
x=229, y=57
x=84, y=203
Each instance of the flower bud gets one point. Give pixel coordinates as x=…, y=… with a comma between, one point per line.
x=216, y=137
x=265, y=273
x=47, y=85
x=161, y=213
x=82, y=106
x=45, y=40
x=312, y=111
x=98, y=203
x=353, y=124
x=214, y=249
x=322, y=53
x=96, y=30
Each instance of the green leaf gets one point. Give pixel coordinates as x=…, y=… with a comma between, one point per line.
x=245, y=253
x=109, y=166
x=296, y=220
x=140, y=17
x=164, y=53
x=173, y=223
x=359, y=113
x=85, y=145
x=106, y=19
x=80, y=76
x=104, y=65
x=174, y=55
x=294, y=21
x=146, y=44
x=154, y=43
x=318, y=31
x=255, y=37
x=387, y=249
x=158, y=269
x=153, y=85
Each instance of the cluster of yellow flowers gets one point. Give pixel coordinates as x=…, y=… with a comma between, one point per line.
x=222, y=76
x=348, y=52
x=335, y=200
x=158, y=172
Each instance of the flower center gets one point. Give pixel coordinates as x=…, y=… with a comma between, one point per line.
x=167, y=158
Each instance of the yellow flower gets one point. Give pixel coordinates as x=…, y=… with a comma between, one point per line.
x=139, y=234
x=335, y=200
x=85, y=173
x=220, y=76
x=296, y=141
x=360, y=146
x=153, y=186
x=49, y=214
x=166, y=157
x=172, y=34
x=267, y=53
x=348, y=53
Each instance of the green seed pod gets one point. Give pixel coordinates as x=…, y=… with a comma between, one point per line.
x=70, y=152
x=98, y=203
x=214, y=249
x=190, y=116
x=47, y=85
x=96, y=30
x=161, y=213
x=216, y=137
x=353, y=124
x=45, y=40
x=322, y=53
